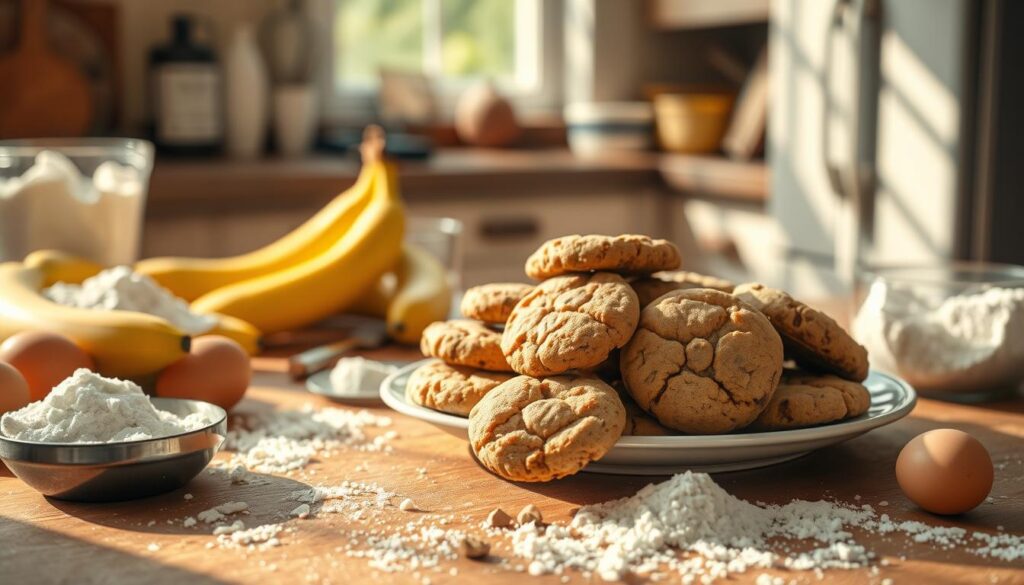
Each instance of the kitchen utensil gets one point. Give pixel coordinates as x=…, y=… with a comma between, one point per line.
x=891, y=400
x=320, y=383
x=691, y=122
x=104, y=472
x=366, y=334
x=44, y=94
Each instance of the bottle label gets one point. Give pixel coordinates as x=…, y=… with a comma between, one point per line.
x=188, y=104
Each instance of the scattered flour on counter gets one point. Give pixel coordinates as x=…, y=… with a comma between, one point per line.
x=965, y=342
x=88, y=408
x=218, y=513
x=121, y=289
x=719, y=535
x=282, y=441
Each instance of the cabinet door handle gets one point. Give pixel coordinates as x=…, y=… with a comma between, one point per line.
x=506, y=228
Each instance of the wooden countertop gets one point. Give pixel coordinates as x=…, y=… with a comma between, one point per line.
x=211, y=185
x=49, y=541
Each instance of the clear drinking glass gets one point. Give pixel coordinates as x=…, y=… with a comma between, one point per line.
x=84, y=196
x=442, y=237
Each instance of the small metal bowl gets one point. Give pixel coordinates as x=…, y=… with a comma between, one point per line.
x=105, y=472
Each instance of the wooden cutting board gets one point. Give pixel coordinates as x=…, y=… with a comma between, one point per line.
x=44, y=95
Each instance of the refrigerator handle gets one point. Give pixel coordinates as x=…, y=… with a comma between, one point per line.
x=855, y=185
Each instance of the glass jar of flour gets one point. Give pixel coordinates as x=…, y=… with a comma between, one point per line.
x=83, y=196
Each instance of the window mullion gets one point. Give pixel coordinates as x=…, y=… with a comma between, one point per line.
x=433, y=35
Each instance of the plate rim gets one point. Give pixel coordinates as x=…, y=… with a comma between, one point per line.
x=852, y=427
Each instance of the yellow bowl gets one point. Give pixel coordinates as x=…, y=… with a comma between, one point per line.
x=691, y=123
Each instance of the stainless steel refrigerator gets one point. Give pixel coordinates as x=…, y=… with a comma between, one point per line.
x=895, y=135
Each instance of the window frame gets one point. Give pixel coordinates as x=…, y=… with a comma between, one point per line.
x=358, y=105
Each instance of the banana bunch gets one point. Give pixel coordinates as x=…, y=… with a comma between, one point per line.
x=124, y=344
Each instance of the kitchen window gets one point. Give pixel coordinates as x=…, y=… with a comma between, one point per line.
x=515, y=43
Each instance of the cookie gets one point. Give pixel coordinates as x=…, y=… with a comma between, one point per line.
x=462, y=342
x=638, y=422
x=804, y=400
x=627, y=254
x=530, y=429
x=812, y=338
x=493, y=303
x=451, y=389
x=651, y=287
x=570, y=322
x=702, y=361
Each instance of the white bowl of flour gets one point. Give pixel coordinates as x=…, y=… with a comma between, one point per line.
x=956, y=330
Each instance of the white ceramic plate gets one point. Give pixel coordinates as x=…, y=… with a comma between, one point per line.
x=320, y=383
x=891, y=400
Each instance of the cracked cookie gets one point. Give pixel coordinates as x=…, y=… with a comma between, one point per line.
x=702, y=361
x=651, y=287
x=812, y=338
x=804, y=400
x=493, y=303
x=462, y=342
x=570, y=322
x=628, y=254
x=530, y=429
x=451, y=389
x=638, y=422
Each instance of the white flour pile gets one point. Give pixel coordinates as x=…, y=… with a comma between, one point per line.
x=120, y=289
x=359, y=376
x=88, y=408
x=965, y=342
x=282, y=441
x=720, y=535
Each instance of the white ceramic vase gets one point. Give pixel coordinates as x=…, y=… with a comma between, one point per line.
x=246, y=91
x=295, y=118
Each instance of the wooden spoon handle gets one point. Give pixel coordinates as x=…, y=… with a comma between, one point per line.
x=33, y=26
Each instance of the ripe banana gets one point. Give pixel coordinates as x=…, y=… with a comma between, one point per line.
x=421, y=296
x=58, y=266
x=328, y=283
x=191, y=278
x=233, y=328
x=124, y=344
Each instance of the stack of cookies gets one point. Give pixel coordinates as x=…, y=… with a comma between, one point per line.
x=608, y=343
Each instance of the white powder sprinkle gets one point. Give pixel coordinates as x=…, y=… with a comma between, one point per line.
x=218, y=513
x=121, y=289
x=278, y=442
x=89, y=408
x=721, y=535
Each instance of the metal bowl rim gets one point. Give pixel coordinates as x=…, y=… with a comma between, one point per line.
x=222, y=416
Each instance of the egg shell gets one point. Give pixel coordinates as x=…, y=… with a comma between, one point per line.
x=14, y=392
x=945, y=471
x=44, y=359
x=216, y=370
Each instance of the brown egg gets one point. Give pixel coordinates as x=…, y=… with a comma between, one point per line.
x=13, y=389
x=44, y=359
x=945, y=471
x=216, y=370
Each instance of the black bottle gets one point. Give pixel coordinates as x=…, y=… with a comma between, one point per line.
x=185, y=94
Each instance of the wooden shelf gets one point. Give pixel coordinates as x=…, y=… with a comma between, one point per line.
x=689, y=14
x=716, y=177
